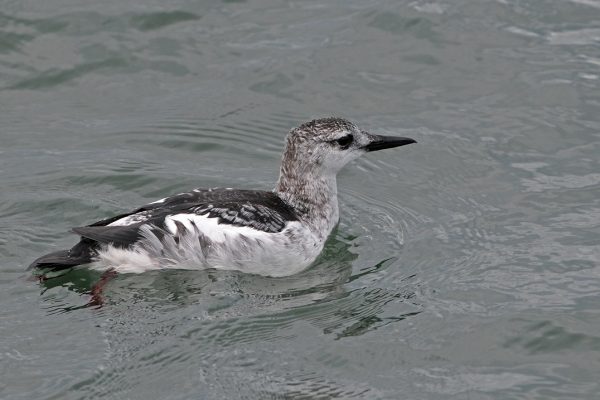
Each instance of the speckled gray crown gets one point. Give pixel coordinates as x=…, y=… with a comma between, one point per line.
x=324, y=126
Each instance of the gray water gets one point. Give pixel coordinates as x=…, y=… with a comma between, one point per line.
x=466, y=266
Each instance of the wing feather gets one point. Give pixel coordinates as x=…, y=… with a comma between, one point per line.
x=261, y=210
x=121, y=236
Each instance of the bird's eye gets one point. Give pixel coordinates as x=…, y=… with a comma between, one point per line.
x=344, y=142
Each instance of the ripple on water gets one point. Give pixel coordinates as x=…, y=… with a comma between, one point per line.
x=91, y=32
x=241, y=131
x=541, y=337
x=385, y=215
x=488, y=226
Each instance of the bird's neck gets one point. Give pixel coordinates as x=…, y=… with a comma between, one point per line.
x=313, y=195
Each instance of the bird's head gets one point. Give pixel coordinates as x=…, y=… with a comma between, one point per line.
x=327, y=144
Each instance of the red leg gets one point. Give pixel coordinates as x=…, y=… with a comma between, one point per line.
x=97, y=297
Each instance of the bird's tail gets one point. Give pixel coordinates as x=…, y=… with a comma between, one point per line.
x=81, y=253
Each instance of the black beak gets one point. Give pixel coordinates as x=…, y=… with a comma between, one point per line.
x=387, y=142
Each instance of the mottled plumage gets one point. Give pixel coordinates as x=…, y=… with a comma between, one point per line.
x=273, y=233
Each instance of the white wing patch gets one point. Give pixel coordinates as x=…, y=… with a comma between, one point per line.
x=184, y=219
x=159, y=201
x=131, y=219
x=212, y=229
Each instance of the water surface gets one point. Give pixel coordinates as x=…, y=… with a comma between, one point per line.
x=466, y=266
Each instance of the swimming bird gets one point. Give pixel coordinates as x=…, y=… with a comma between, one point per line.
x=274, y=233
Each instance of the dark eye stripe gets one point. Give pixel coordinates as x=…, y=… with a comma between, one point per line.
x=344, y=142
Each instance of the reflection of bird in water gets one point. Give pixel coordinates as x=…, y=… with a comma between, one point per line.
x=273, y=233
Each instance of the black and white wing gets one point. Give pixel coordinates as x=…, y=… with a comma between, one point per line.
x=260, y=210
